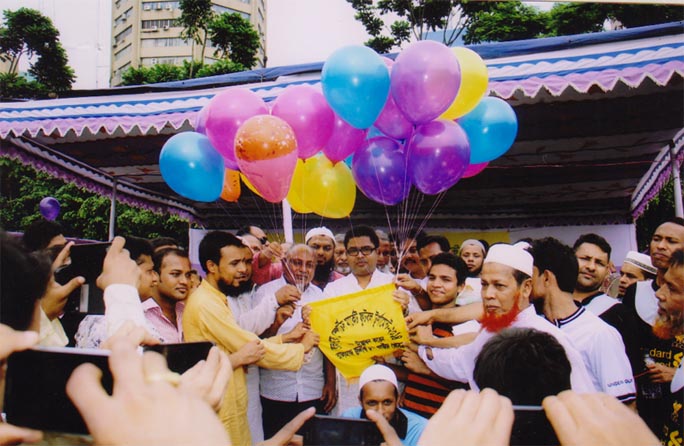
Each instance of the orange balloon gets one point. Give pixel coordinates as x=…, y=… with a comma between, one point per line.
x=231, y=185
x=264, y=137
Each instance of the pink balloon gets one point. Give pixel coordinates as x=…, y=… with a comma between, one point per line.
x=201, y=121
x=392, y=121
x=425, y=79
x=309, y=115
x=474, y=169
x=226, y=112
x=344, y=140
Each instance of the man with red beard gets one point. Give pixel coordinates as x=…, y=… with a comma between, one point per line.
x=506, y=287
x=669, y=325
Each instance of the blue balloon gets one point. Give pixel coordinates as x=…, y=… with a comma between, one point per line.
x=356, y=83
x=491, y=128
x=192, y=167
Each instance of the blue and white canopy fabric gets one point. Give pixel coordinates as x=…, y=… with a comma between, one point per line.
x=597, y=116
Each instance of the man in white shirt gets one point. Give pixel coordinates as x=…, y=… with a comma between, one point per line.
x=362, y=244
x=284, y=393
x=506, y=288
x=601, y=346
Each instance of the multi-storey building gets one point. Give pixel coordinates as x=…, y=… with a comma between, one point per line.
x=145, y=33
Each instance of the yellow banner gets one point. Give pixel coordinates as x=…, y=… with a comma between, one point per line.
x=355, y=327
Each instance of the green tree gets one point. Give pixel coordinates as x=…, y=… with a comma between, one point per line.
x=27, y=32
x=83, y=214
x=220, y=67
x=196, y=16
x=505, y=21
x=235, y=38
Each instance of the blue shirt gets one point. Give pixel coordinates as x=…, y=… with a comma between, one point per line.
x=415, y=424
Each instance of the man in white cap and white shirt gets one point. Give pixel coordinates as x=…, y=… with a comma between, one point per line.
x=636, y=267
x=322, y=241
x=506, y=287
x=379, y=391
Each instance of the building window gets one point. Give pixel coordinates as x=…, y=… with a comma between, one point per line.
x=149, y=61
x=121, y=37
x=164, y=42
x=124, y=53
x=123, y=18
x=221, y=9
x=153, y=25
x=158, y=6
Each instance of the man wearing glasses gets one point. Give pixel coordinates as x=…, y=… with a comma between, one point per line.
x=362, y=244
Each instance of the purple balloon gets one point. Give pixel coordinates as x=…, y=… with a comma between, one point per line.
x=438, y=154
x=392, y=121
x=425, y=79
x=344, y=140
x=379, y=169
x=225, y=114
x=49, y=208
x=309, y=115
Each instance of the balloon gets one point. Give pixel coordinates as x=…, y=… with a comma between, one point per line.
x=379, y=169
x=192, y=167
x=392, y=121
x=294, y=197
x=249, y=185
x=474, y=169
x=201, y=120
x=231, y=185
x=491, y=128
x=49, y=208
x=438, y=154
x=474, y=81
x=266, y=152
x=330, y=189
x=425, y=80
x=356, y=84
x=344, y=141
x=226, y=112
x=307, y=112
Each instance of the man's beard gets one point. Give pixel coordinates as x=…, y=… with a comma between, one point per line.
x=497, y=322
x=343, y=269
x=234, y=291
x=669, y=325
x=322, y=272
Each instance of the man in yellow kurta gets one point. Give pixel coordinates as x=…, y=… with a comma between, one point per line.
x=207, y=316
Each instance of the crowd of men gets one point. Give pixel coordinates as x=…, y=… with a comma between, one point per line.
x=529, y=320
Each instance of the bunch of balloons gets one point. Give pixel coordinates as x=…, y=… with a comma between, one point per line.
x=422, y=120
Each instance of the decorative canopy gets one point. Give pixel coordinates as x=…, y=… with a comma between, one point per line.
x=599, y=117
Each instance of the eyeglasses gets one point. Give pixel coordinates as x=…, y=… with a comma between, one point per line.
x=263, y=240
x=384, y=253
x=366, y=251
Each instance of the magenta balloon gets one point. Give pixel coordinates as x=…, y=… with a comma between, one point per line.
x=392, y=121
x=474, y=169
x=201, y=121
x=425, y=80
x=225, y=114
x=344, y=140
x=438, y=154
x=309, y=115
x=49, y=208
x=379, y=170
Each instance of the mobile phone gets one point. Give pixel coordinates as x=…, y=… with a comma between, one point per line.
x=35, y=387
x=531, y=426
x=399, y=422
x=325, y=430
x=86, y=261
x=180, y=357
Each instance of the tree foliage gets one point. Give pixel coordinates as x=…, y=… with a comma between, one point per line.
x=235, y=39
x=479, y=21
x=83, y=214
x=26, y=32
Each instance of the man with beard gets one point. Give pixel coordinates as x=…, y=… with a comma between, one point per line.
x=208, y=316
x=340, y=256
x=284, y=393
x=635, y=268
x=669, y=325
x=506, y=287
x=658, y=357
x=601, y=346
x=322, y=241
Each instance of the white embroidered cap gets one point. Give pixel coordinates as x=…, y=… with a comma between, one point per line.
x=319, y=231
x=378, y=372
x=641, y=261
x=510, y=255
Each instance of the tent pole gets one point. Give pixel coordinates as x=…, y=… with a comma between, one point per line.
x=677, y=184
x=112, y=210
x=287, y=222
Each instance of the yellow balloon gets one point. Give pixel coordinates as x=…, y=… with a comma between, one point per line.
x=474, y=81
x=330, y=189
x=294, y=196
x=249, y=185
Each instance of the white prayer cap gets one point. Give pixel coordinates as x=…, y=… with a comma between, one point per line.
x=473, y=242
x=641, y=261
x=378, y=372
x=319, y=231
x=514, y=256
